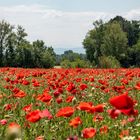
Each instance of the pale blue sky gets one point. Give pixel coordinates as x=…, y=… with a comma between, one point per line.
x=64, y=23
x=81, y=5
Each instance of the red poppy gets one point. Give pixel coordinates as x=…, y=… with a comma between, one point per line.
x=75, y=122
x=20, y=94
x=45, y=97
x=69, y=99
x=25, y=82
x=99, y=108
x=3, y=122
x=89, y=132
x=27, y=108
x=124, y=133
x=137, y=86
x=39, y=138
x=114, y=113
x=13, y=125
x=33, y=116
x=122, y=101
x=98, y=118
x=86, y=106
x=83, y=86
x=104, y=129
x=7, y=107
x=72, y=138
x=65, y=112
x=59, y=100
x=70, y=87
x=46, y=113
x=124, y=104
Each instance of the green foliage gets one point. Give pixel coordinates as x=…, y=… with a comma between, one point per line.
x=130, y=27
x=114, y=41
x=5, y=35
x=108, y=62
x=65, y=64
x=116, y=38
x=75, y=64
x=92, y=42
x=71, y=59
x=48, y=58
x=135, y=51
x=16, y=51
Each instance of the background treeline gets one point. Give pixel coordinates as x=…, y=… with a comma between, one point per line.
x=17, y=51
x=113, y=44
x=71, y=59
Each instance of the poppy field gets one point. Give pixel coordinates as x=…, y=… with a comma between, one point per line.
x=70, y=104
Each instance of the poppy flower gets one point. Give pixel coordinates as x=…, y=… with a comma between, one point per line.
x=89, y=132
x=3, y=122
x=124, y=133
x=39, y=138
x=99, y=108
x=36, y=84
x=104, y=129
x=7, y=79
x=7, y=107
x=33, y=116
x=27, y=108
x=124, y=104
x=20, y=94
x=65, y=112
x=13, y=124
x=59, y=100
x=25, y=82
x=98, y=118
x=75, y=122
x=69, y=99
x=70, y=87
x=45, y=97
x=114, y=113
x=46, y=113
x=83, y=86
x=122, y=101
x=85, y=106
x=72, y=138
x=137, y=86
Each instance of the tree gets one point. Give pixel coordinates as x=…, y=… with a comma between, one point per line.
x=21, y=34
x=10, y=50
x=5, y=33
x=114, y=41
x=93, y=40
x=70, y=55
x=48, y=58
x=17, y=51
x=38, y=49
x=21, y=46
x=115, y=38
x=134, y=52
x=132, y=28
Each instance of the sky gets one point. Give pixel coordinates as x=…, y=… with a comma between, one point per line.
x=64, y=23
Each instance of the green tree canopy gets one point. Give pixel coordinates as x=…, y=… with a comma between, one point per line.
x=116, y=38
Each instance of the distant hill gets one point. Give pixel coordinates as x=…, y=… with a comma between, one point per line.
x=77, y=50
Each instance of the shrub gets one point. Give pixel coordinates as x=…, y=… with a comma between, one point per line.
x=108, y=62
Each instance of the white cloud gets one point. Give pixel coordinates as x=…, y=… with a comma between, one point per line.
x=133, y=14
x=56, y=28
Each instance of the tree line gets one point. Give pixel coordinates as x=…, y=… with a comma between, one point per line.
x=111, y=44
x=17, y=51
x=115, y=43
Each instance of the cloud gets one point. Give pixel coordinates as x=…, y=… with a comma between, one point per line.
x=55, y=27
x=133, y=14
